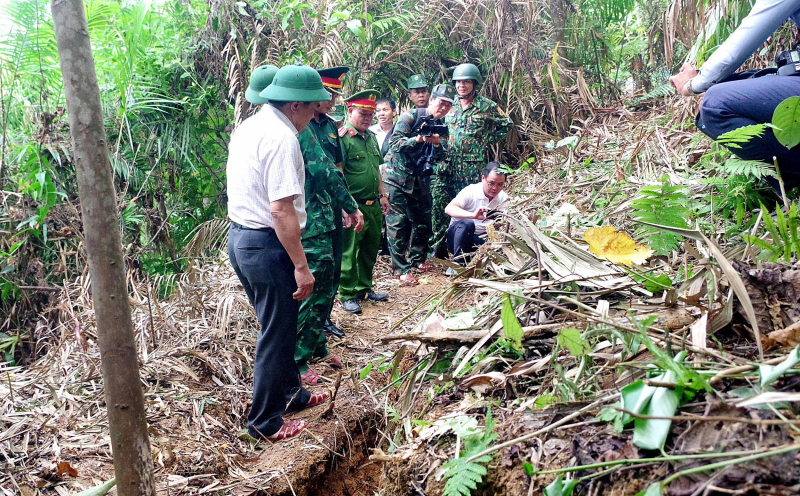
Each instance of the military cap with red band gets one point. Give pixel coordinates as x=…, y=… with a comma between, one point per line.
x=333, y=78
x=364, y=99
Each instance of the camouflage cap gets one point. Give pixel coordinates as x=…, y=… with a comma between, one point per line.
x=444, y=91
x=417, y=81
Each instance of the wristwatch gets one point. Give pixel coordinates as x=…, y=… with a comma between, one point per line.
x=688, y=87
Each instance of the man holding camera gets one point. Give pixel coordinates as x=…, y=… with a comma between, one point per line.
x=735, y=100
x=418, y=142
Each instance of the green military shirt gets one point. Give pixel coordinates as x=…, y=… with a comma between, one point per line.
x=323, y=182
x=328, y=136
x=471, y=129
x=361, y=161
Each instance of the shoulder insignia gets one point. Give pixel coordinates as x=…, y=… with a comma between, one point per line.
x=342, y=132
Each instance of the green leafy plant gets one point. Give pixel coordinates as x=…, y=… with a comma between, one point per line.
x=784, y=232
x=662, y=205
x=463, y=476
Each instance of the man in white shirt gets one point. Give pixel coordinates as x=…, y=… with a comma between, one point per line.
x=385, y=111
x=266, y=205
x=471, y=211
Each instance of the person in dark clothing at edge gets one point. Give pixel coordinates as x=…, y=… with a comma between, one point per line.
x=729, y=105
x=266, y=205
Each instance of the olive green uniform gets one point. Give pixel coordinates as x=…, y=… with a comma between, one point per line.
x=324, y=186
x=361, y=161
x=471, y=131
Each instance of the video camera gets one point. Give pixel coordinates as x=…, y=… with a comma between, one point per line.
x=427, y=130
x=788, y=63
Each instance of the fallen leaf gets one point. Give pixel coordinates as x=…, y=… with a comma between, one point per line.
x=480, y=383
x=788, y=336
x=699, y=331
x=64, y=468
x=529, y=367
x=616, y=247
x=772, y=397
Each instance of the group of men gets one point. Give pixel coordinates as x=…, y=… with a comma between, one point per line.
x=309, y=199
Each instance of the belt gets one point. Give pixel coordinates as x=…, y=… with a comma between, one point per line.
x=236, y=225
x=369, y=202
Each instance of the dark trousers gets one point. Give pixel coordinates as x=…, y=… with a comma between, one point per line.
x=461, y=238
x=267, y=274
x=728, y=106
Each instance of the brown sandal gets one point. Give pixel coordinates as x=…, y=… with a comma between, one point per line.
x=290, y=428
x=317, y=399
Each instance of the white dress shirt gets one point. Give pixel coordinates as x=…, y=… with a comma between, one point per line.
x=472, y=198
x=264, y=165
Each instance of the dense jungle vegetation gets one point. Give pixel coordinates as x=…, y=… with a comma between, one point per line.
x=172, y=75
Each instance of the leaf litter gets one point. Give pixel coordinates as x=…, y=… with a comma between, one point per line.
x=542, y=366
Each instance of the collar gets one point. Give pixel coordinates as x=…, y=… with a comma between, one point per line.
x=356, y=131
x=282, y=117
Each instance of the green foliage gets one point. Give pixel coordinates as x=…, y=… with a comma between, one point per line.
x=784, y=232
x=786, y=120
x=572, y=340
x=560, y=487
x=733, y=139
x=661, y=91
x=462, y=476
x=664, y=205
x=511, y=327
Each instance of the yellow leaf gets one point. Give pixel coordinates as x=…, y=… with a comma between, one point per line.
x=616, y=247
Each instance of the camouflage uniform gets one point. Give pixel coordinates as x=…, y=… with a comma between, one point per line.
x=408, y=224
x=327, y=133
x=323, y=183
x=471, y=131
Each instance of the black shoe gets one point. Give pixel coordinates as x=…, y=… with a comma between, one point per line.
x=352, y=306
x=332, y=330
x=376, y=296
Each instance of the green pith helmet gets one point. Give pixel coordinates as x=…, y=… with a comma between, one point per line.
x=260, y=78
x=467, y=71
x=337, y=112
x=417, y=81
x=444, y=91
x=296, y=83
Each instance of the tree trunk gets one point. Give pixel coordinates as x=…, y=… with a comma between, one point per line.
x=133, y=465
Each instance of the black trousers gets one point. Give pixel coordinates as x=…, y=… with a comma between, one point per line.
x=735, y=104
x=267, y=274
x=461, y=238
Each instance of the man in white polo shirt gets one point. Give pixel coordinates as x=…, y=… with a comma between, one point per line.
x=266, y=205
x=469, y=210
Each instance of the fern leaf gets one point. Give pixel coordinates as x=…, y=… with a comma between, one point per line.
x=731, y=139
x=660, y=91
x=750, y=168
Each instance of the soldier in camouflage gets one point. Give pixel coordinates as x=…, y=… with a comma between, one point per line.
x=476, y=123
x=412, y=153
x=327, y=132
x=324, y=183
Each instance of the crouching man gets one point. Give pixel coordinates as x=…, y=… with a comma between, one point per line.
x=474, y=208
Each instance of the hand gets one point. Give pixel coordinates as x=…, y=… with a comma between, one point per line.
x=384, y=205
x=679, y=80
x=432, y=139
x=305, y=283
x=357, y=220
x=480, y=213
x=347, y=221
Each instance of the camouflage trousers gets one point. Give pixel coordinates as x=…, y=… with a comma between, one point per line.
x=445, y=186
x=408, y=225
x=311, y=340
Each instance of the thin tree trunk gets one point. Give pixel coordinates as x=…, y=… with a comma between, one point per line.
x=133, y=465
